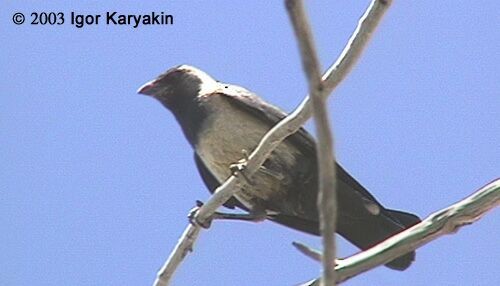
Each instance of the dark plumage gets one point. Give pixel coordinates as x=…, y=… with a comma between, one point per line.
x=220, y=120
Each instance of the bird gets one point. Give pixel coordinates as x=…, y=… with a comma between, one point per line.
x=223, y=121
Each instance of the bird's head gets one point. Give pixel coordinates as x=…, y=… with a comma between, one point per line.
x=179, y=84
x=181, y=89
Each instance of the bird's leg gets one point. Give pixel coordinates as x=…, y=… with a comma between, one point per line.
x=255, y=215
x=239, y=167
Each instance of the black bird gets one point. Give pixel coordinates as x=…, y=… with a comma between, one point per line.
x=221, y=120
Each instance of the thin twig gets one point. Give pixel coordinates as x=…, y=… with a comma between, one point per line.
x=440, y=223
x=326, y=156
x=278, y=133
x=308, y=251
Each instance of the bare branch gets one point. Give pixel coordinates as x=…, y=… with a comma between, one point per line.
x=356, y=44
x=326, y=159
x=184, y=245
x=440, y=223
x=308, y=53
x=277, y=134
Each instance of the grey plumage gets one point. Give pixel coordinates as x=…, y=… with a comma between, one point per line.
x=220, y=120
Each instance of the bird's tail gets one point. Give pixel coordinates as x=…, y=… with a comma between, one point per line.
x=363, y=232
x=367, y=233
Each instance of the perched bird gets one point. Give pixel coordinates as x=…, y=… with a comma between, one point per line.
x=221, y=120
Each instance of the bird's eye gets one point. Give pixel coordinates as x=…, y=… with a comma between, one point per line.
x=225, y=86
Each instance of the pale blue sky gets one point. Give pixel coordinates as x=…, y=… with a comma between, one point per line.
x=96, y=181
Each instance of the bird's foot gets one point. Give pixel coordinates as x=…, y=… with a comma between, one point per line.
x=192, y=216
x=239, y=167
x=253, y=216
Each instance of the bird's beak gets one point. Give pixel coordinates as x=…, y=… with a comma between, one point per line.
x=147, y=88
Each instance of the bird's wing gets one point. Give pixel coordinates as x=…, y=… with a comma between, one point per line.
x=272, y=115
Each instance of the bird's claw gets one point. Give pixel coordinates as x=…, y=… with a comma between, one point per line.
x=192, y=216
x=239, y=167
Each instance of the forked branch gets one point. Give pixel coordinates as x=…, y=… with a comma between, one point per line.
x=288, y=126
x=327, y=203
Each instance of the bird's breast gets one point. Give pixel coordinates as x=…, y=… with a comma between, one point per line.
x=226, y=134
